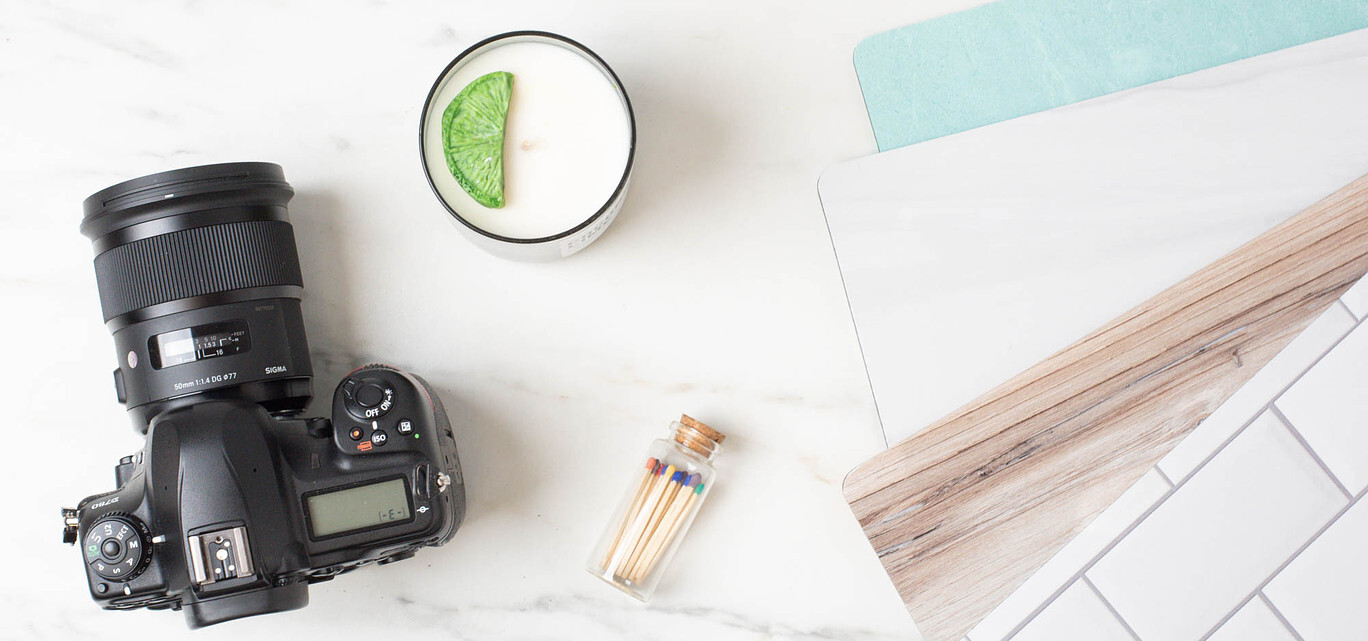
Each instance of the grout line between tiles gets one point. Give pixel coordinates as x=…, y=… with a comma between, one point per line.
x=1278, y=613
x=1292, y=429
x=1293, y=557
x=1349, y=309
x=1134, y=524
x=1110, y=608
x=1174, y=489
x=1310, y=366
x=1087, y=566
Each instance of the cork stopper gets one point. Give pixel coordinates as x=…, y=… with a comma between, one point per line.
x=697, y=436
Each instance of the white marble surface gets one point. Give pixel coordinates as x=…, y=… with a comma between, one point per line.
x=714, y=293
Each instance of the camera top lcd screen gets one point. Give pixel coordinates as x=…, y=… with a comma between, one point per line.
x=198, y=343
x=359, y=508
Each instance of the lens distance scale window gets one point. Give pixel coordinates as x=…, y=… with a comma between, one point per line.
x=199, y=343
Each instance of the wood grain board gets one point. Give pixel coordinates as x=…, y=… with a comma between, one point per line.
x=963, y=512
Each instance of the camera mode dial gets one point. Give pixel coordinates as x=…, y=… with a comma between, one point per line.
x=116, y=547
x=368, y=398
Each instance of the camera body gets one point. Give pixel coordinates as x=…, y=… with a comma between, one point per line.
x=229, y=512
x=236, y=502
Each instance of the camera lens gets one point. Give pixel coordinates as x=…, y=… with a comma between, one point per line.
x=199, y=282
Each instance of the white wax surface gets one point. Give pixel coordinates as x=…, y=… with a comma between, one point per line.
x=565, y=141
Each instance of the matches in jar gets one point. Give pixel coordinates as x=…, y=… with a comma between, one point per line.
x=527, y=139
x=651, y=520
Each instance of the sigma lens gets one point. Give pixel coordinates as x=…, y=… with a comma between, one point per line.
x=199, y=283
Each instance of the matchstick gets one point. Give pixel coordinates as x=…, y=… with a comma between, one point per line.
x=652, y=469
x=658, y=512
x=652, y=544
x=670, y=534
x=658, y=487
x=653, y=528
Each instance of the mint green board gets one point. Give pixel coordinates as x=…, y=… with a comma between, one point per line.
x=1017, y=57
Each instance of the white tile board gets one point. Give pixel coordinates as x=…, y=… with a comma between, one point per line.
x=969, y=258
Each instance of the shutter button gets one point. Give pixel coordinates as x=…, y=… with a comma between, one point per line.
x=370, y=395
x=368, y=399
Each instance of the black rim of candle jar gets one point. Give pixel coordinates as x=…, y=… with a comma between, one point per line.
x=583, y=50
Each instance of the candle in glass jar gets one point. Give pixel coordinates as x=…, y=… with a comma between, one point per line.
x=568, y=144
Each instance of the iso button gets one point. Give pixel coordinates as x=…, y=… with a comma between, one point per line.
x=379, y=438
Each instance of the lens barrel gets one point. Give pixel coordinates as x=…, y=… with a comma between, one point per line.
x=199, y=282
x=200, y=231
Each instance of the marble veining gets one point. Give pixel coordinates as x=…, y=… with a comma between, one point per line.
x=714, y=293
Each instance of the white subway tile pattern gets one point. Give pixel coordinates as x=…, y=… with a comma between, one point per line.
x=1077, y=615
x=1357, y=299
x=1329, y=407
x=1061, y=570
x=1323, y=592
x=1254, y=395
x=1254, y=622
x=1202, y=552
x=1253, y=529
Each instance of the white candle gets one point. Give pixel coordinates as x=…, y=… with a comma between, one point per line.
x=567, y=140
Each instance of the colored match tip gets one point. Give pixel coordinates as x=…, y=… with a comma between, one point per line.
x=691, y=481
x=699, y=489
x=651, y=463
x=676, y=477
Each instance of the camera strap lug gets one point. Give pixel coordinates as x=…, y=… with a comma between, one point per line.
x=70, y=523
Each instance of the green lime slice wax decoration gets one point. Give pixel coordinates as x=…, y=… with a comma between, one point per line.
x=473, y=136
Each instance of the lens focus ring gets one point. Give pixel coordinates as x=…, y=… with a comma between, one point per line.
x=195, y=262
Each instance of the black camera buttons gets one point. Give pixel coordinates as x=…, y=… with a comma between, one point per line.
x=404, y=426
x=357, y=433
x=370, y=395
x=379, y=438
x=368, y=398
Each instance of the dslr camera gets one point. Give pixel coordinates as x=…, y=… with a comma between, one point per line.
x=236, y=502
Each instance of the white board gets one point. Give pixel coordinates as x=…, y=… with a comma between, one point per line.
x=969, y=258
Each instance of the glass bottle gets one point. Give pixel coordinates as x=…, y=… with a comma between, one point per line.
x=661, y=502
